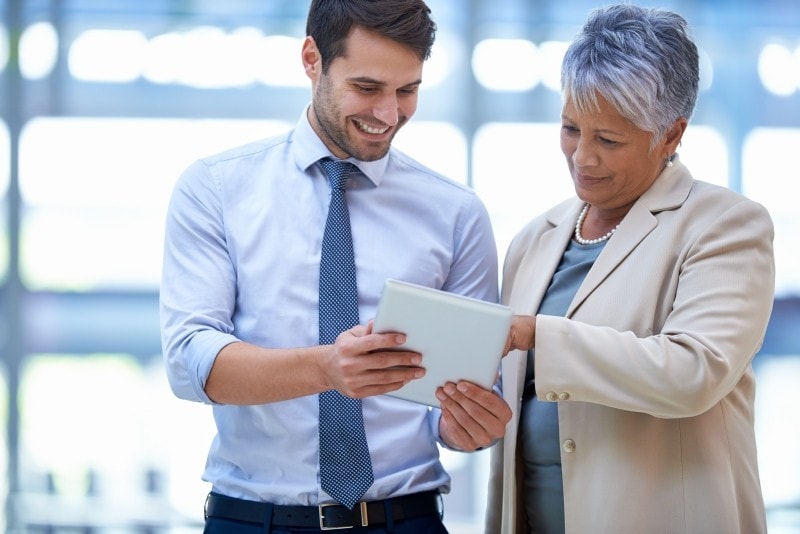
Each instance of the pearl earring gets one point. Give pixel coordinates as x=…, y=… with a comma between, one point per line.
x=669, y=160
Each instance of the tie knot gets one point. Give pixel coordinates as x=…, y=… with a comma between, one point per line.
x=337, y=171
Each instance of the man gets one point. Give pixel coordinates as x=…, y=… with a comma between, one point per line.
x=243, y=308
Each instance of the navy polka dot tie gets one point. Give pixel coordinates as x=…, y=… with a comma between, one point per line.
x=345, y=466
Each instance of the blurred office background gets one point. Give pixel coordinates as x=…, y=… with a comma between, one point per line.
x=104, y=103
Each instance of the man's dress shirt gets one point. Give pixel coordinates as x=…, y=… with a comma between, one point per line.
x=241, y=262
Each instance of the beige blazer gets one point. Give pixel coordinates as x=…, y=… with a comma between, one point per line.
x=651, y=367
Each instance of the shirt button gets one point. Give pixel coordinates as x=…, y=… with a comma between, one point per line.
x=563, y=396
x=551, y=396
x=568, y=445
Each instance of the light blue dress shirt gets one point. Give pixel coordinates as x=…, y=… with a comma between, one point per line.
x=241, y=262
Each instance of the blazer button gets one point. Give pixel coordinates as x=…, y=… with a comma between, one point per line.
x=563, y=396
x=568, y=445
x=551, y=396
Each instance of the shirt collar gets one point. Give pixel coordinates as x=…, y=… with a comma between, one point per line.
x=308, y=149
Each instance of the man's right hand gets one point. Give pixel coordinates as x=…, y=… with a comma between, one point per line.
x=362, y=363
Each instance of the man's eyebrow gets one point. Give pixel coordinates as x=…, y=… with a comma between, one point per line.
x=373, y=81
x=366, y=79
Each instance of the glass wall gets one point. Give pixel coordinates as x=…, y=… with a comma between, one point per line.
x=107, y=102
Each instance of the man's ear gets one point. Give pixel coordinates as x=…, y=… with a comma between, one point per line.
x=312, y=60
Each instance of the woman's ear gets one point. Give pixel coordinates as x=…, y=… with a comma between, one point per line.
x=674, y=135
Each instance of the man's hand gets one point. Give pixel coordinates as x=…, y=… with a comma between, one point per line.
x=361, y=364
x=472, y=417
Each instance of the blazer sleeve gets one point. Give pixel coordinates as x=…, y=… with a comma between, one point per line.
x=675, y=326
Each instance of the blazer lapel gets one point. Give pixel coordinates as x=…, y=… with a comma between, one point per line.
x=542, y=259
x=539, y=263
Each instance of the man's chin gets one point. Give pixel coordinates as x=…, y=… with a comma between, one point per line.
x=371, y=154
x=378, y=150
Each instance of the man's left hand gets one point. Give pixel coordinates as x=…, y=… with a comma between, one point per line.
x=472, y=417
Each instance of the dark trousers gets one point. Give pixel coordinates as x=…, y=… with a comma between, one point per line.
x=418, y=525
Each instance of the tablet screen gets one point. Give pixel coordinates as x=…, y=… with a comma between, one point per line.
x=460, y=338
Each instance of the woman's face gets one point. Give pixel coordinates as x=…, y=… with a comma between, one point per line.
x=609, y=158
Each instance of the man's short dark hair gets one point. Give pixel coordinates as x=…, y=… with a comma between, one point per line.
x=407, y=22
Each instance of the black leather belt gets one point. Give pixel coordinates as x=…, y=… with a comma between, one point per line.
x=325, y=516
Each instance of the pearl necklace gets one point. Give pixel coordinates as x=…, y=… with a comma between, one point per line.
x=579, y=238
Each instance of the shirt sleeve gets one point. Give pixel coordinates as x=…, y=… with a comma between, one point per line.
x=474, y=272
x=197, y=286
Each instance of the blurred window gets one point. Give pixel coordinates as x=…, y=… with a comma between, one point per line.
x=438, y=145
x=4, y=177
x=770, y=176
x=519, y=172
x=95, y=192
x=101, y=432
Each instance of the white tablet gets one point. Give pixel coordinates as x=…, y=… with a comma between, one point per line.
x=460, y=338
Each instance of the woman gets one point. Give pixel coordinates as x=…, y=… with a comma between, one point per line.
x=647, y=297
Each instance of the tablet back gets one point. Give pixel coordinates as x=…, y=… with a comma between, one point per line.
x=460, y=338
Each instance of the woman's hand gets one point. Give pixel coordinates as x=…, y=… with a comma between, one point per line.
x=522, y=334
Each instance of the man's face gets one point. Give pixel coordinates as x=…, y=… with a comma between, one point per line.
x=365, y=97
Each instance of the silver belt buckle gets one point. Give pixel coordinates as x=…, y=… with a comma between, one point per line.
x=364, y=518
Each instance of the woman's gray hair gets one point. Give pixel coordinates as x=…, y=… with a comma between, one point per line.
x=641, y=60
